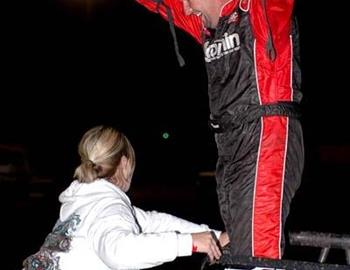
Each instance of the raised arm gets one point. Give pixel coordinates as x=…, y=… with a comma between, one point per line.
x=191, y=24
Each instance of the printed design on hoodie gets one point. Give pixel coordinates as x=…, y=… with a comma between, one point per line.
x=59, y=240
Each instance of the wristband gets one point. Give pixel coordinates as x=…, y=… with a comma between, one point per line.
x=194, y=248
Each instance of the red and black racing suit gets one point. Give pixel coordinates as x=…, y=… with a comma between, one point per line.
x=252, y=62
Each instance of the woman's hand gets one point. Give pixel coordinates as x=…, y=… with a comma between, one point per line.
x=205, y=243
x=224, y=239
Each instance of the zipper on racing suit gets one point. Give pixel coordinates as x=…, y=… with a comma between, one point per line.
x=270, y=48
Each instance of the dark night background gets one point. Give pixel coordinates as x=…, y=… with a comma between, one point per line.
x=69, y=65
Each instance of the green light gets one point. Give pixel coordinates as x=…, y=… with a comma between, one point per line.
x=165, y=135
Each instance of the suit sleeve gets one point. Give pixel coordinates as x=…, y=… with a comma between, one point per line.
x=191, y=24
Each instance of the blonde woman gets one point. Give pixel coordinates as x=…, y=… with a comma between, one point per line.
x=98, y=228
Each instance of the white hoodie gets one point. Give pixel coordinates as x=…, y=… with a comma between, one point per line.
x=99, y=229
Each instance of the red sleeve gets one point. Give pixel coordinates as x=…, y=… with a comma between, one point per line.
x=191, y=24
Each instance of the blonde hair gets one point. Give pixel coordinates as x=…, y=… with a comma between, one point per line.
x=101, y=149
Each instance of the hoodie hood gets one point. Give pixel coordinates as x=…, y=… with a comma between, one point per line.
x=84, y=195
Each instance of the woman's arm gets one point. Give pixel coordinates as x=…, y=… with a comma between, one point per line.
x=152, y=221
x=115, y=237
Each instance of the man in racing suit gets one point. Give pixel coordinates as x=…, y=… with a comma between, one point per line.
x=252, y=60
